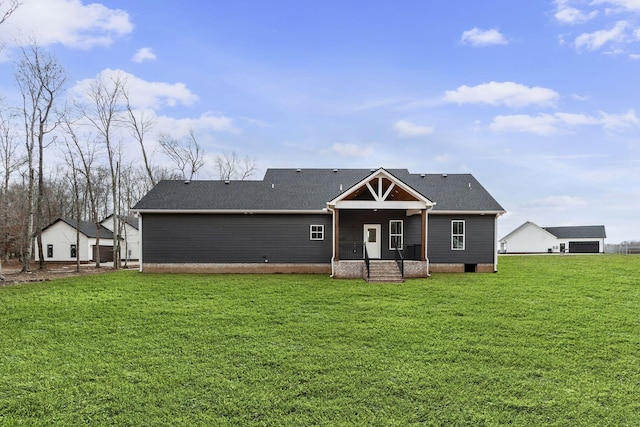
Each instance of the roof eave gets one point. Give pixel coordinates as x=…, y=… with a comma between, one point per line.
x=232, y=211
x=469, y=212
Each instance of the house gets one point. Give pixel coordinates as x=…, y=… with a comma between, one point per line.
x=129, y=234
x=59, y=241
x=332, y=221
x=530, y=238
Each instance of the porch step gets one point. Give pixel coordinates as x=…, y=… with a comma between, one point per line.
x=384, y=272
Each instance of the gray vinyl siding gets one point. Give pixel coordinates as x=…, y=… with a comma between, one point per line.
x=208, y=238
x=479, y=239
x=352, y=227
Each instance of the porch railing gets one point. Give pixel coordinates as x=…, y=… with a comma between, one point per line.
x=413, y=252
x=351, y=250
x=400, y=261
x=367, y=261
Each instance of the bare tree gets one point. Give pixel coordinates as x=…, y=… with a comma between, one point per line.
x=187, y=155
x=7, y=7
x=86, y=153
x=139, y=124
x=41, y=79
x=11, y=162
x=106, y=95
x=73, y=174
x=231, y=167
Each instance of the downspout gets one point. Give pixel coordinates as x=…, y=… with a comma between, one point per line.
x=333, y=238
x=495, y=244
x=426, y=238
x=140, y=243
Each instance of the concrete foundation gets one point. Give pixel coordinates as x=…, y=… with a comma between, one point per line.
x=248, y=268
x=459, y=268
x=341, y=269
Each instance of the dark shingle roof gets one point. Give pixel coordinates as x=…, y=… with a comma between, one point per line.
x=578, y=232
x=131, y=220
x=311, y=189
x=87, y=228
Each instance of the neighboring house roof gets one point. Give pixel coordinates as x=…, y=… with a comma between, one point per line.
x=131, y=220
x=87, y=228
x=578, y=232
x=310, y=190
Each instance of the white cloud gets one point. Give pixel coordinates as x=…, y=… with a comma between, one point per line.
x=578, y=97
x=615, y=122
x=543, y=124
x=143, y=94
x=68, y=22
x=624, y=5
x=479, y=38
x=597, y=39
x=571, y=119
x=506, y=93
x=570, y=15
x=407, y=129
x=550, y=124
x=206, y=122
x=144, y=54
x=352, y=150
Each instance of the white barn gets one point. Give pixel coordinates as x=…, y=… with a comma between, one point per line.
x=529, y=238
x=60, y=245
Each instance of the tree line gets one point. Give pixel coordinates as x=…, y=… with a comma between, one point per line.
x=64, y=156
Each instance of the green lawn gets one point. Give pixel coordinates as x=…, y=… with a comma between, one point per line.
x=549, y=340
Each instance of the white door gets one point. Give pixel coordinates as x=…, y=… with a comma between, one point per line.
x=372, y=239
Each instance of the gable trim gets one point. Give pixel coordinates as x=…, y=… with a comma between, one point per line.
x=380, y=197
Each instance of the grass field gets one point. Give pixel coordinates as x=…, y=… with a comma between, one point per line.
x=550, y=340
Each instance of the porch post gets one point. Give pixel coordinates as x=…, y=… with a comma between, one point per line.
x=423, y=237
x=336, y=234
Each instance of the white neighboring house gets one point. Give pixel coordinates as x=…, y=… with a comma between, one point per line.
x=529, y=238
x=59, y=241
x=130, y=236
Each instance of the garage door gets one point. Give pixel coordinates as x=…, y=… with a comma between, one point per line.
x=106, y=253
x=584, y=247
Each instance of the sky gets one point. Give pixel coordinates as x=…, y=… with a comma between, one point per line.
x=539, y=100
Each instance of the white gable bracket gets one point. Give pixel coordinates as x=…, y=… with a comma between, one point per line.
x=373, y=193
x=388, y=191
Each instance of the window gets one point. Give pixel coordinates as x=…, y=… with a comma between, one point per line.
x=73, y=251
x=395, y=234
x=49, y=251
x=457, y=235
x=316, y=232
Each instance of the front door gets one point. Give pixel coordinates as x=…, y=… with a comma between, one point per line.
x=372, y=239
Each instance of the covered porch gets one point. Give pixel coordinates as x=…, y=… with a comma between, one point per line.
x=379, y=219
